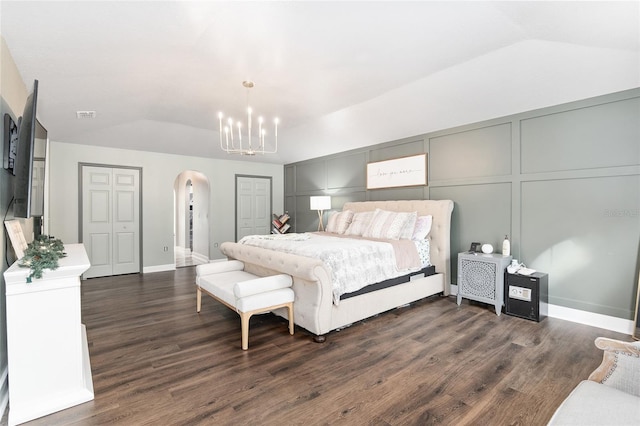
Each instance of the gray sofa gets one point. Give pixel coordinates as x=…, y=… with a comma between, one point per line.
x=611, y=395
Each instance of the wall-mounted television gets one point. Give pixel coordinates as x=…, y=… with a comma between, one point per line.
x=30, y=162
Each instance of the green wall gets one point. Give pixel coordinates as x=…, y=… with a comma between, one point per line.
x=563, y=182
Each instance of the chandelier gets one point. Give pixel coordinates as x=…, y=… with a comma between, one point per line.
x=232, y=143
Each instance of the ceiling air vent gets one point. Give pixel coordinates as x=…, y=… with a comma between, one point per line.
x=85, y=114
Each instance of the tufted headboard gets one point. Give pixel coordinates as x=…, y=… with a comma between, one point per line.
x=440, y=236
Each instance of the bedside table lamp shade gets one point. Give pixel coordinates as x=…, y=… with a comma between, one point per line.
x=320, y=203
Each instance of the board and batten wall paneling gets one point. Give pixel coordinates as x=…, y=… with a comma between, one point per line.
x=289, y=180
x=403, y=148
x=405, y=193
x=347, y=171
x=311, y=176
x=481, y=213
x=584, y=233
x=481, y=152
x=516, y=175
x=338, y=199
x=606, y=135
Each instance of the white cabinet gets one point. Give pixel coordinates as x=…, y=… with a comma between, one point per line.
x=48, y=356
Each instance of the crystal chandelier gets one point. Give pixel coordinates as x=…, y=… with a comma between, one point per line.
x=231, y=141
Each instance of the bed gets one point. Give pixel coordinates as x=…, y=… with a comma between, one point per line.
x=316, y=308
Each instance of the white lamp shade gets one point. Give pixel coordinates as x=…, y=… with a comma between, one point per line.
x=322, y=202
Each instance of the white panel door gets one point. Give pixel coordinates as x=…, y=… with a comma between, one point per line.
x=253, y=206
x=111, y=220
x=96, y=219
x=126, y=214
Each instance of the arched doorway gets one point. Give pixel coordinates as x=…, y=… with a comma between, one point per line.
x=191, y=216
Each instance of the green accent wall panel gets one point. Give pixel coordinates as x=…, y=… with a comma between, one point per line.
x=481, y=213
x=482, y=152
x=399, y=149
x=605, y=135
x=305, y=218
x=347, y=171
x=338, y=200
x=311, y=176
x=289, y=179
x=405, y=193
x=584, y=233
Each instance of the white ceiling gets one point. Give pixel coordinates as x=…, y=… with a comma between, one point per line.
x=339, y=75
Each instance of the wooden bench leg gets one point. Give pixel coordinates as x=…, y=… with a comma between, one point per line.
x=244, y=325
x=198, y=299
x=291, y=324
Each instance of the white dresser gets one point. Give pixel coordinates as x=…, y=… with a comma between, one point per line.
x=49, y=367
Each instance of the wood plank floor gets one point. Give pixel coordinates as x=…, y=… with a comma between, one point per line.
x=155, y=361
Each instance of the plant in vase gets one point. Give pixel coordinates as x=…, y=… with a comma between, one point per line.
x=42, y=253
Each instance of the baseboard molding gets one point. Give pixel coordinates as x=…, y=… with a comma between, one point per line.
x=4, y=391
x=581, y=317
x=588, y=318
x=199, y=258
x=159, y=268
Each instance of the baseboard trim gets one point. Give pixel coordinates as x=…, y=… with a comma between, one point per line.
x=199, y=258
x=592, y=319
x=4, y=391
x=588, y=318
x=159, y=268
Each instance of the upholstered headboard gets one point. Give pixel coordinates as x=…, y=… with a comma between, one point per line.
x=440, y=236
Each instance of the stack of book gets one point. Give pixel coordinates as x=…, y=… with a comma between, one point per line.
x=280, y=225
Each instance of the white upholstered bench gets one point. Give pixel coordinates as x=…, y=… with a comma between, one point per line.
x=245, y=293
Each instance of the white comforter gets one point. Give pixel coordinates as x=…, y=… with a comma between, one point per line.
x=354, y=263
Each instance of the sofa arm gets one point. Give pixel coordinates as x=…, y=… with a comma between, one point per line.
x=620, y=366
x=219, y=267
x=261, y=285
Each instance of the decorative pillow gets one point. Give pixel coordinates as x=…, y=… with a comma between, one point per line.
x=390, y=225
x=620, y=366
x=409, y=225
x=422, y=228
x=359, y=223
x=339, y=222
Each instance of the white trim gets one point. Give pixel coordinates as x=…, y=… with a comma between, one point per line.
x=581, y=317
x=4, y=391
x=199, y=258
x=159, y=268
x=588, y=318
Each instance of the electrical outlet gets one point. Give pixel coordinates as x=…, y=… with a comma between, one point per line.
x=166, y=248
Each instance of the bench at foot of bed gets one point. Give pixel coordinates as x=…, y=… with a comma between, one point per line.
x=245, y=293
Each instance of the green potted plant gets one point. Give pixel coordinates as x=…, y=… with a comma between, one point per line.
x=42, y=253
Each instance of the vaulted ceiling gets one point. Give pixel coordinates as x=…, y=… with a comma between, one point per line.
x=338, y=75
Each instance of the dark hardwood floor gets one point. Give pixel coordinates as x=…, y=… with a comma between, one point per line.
x=155, y=361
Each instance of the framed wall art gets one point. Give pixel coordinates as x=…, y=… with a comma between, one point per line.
x=405, y=171
x=10, y=143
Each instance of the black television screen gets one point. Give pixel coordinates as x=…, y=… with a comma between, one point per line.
x=30, y=162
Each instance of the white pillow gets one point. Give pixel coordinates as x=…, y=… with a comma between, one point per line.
x=339, y=222
x=391, y=225
x=422, y=228
x=359, y=223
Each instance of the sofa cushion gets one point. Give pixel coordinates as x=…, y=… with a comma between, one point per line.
x=591, y=403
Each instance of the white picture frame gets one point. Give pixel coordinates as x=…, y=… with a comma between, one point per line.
x=19, y=243
x=399, y=172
